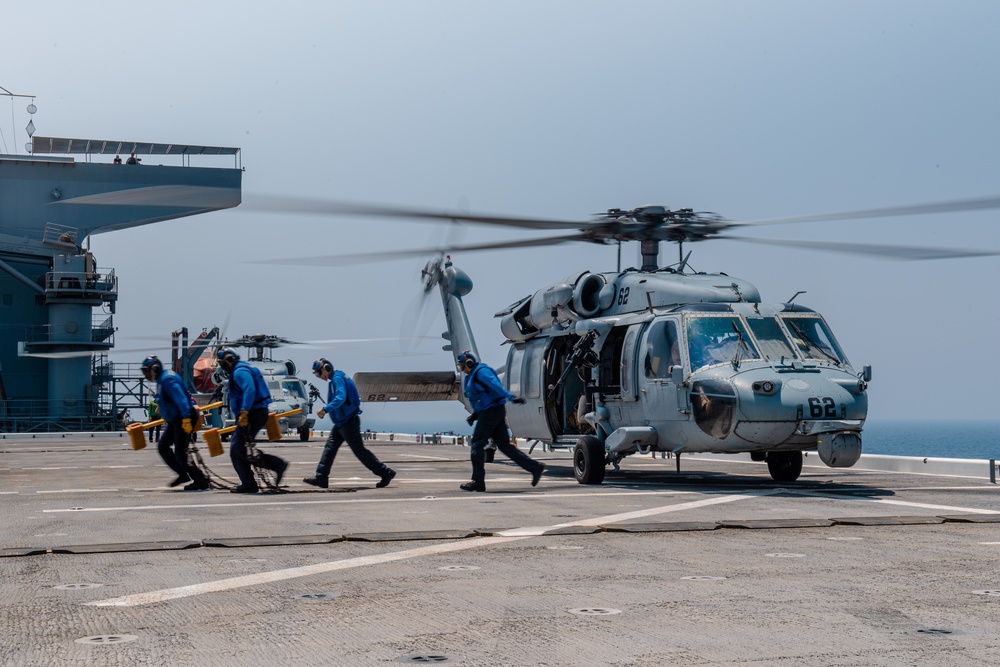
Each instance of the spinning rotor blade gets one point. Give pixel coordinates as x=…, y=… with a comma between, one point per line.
x=339, y=260
x=912, y=253
x=956, y=206
x=322, y=207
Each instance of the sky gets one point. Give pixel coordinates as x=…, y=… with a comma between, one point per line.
x=557, y=109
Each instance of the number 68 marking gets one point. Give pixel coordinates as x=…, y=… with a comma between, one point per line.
x=822, y=407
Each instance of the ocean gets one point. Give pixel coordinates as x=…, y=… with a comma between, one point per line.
x=938, y=439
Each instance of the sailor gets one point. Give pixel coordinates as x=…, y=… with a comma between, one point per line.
x=248, y=401
x=180, y=414
x=343, y=405
x=488, y=399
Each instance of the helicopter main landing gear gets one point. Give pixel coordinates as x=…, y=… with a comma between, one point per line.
x=304, y=433
x=589, y=460
x=784, y=466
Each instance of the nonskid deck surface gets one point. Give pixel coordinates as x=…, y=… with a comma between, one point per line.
x=104, y=564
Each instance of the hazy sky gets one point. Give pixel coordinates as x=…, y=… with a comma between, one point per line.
x=557, y=109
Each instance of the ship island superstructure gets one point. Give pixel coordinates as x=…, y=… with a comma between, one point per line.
x=57, y=306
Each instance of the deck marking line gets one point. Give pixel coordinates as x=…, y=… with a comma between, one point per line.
x=432, y=550
x=904, y=503
x=493, y=496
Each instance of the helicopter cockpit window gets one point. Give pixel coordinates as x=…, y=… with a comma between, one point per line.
x=814, y=340
x=662, y=349
x=771, y=338
x=293, y=389
x=718, y=340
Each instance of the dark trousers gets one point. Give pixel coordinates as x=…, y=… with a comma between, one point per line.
x=173, y=448
x=238, y=449
x=492, y=423
x=351, y=433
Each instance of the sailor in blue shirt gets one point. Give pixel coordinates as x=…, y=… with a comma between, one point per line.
x=177, y=410
x=488, y=399
x=343, y=405
x=248, y=400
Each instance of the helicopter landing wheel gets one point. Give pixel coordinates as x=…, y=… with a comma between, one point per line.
x=588, y=460
x=784, y=466
x=491, y=453
x=304, y=434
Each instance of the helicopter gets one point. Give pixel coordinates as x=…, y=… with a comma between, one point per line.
x=288, y=392
x=656, y=358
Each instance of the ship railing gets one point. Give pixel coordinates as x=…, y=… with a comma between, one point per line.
x=101, y=284
x=102, y=332
x=47, y=416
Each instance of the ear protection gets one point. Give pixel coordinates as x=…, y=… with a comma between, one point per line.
x=322, y=364
x=467, y=360
x=227, y=359
x=152, y=368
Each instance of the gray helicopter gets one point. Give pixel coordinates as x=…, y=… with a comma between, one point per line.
x=655, y=359
x=288, y=391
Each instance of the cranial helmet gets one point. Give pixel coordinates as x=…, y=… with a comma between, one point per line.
x=320, y=365
x=152, y=368
x=467, y=360
x=227, y=358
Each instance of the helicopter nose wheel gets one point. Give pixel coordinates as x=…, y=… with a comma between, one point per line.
x=588, y=460
x=784, y=466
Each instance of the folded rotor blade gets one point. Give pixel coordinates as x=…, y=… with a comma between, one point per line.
x=912, y=253
x=276, y=204
x=956, y=206
x=340, y=260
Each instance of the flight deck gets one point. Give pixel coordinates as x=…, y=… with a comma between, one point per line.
x=103, y=564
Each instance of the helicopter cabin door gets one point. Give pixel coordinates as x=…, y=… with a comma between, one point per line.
x=525, y=377
x=658, y=353
x=628, y=378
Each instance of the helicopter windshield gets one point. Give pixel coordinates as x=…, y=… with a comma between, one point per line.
x=813, y=339
x=295, y=389
x=717, y=340
x=771, y=338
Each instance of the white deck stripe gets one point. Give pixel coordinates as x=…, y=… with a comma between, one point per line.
x=889, y=501
x=432, y=550
x=338, y=501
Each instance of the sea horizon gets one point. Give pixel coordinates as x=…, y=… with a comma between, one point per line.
x=938, y=438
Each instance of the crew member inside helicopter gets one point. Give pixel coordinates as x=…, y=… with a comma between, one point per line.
x=663, y=349
x=716, y=340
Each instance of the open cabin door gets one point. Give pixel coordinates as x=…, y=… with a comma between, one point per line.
x=526, y=377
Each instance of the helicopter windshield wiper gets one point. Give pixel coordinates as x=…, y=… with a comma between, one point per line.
x=812, y=343
x=740, y=345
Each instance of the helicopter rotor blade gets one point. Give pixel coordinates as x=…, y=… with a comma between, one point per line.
x=276, y=204
x=910, y=253
x=955, y=206
x=340, y=260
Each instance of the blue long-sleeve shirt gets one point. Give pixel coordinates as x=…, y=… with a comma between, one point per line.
x=483, y=388
x=342, y=400
x=172, y=396
x=247, y=389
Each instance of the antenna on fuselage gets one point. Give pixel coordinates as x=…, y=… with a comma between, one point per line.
x=683, y=263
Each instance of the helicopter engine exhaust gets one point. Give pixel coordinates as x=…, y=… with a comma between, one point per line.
x=570, y=300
